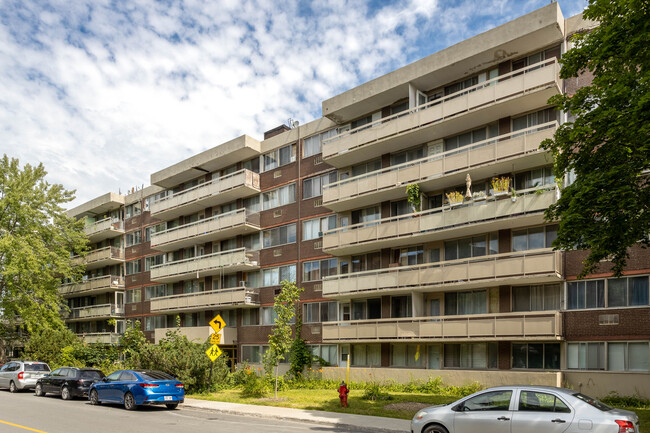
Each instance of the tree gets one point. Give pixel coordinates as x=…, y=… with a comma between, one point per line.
x=299, y=354
x=607, y=143
x=281, y=336
x=36, y=238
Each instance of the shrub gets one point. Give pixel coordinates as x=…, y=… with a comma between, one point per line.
x=613, y=399
x=374, y=391
x=254, y=386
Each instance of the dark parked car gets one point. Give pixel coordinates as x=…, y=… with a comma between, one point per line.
x=68, y=381
x=138, y=387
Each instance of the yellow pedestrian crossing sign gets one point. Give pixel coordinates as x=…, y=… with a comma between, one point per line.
x=217, y=323
x=215, y=338
x=213, y=352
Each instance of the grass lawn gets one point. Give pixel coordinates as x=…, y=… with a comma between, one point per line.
x=327, y=400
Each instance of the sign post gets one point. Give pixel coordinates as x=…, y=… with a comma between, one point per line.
x=213, y=351
x=348, y=373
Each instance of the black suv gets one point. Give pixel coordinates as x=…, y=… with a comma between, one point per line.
x=68, y=381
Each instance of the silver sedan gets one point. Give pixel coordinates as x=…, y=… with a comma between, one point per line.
x=525, y=409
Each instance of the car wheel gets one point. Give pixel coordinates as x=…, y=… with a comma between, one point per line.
x=65, y=393
x=129, y=401
x=171, y=406
x=436, y=428
x=93, y=397
x=12, y=387
x=39, y=390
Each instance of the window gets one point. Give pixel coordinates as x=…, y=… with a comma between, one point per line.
x=475, y=246
x=252, y=241
x=133, y=267
x=133, y=210
x=155, y=322
x=400, y=306
x=193, y=286
x=314, y=228
x=153, y=261
x=252, y=204
x=279, y=157
x=366, y=355
x=268, y=316
x=534, y=178
x=133, y=238
x=534, y=238
x=362, y=310
x=471, y=137
x=627, y=356
x=313, y=187
x=326, y=352
x=538, y=355
x=157, y=291
x=279, y=235
x=365, y=215
x=315, y=312
x=407, y=355
x=533, y=401
x=536, y=58
x=471, y=355
x=366, y=167
x=366, y=262
x=274, y=276
x=407, y=155
x=536, y=298
x=586, y=356
x=313, y=145
x=610, y=293
x=534, y=119
x=279, y=196
x=252, y=354
x=250, y=317
x=471, y=302
x=132, y=296
x=409, y=256
x=252, y=165
x=318, y=269
x=401, y=207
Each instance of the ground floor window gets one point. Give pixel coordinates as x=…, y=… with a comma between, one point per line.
x=367, y=355
x=612, y=356
x=252, y=354
x=471, y=355
x=407, y=355
x=536, y=355
x=326, y=352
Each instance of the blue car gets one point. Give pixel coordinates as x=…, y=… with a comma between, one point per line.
x=137, y=387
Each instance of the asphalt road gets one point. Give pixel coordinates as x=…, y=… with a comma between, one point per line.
x=24, y=412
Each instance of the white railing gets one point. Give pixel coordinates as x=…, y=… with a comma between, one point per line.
x=212, y=263
x=103, y=310
x=211, y=298
x=502, y=87
x=97, y=283
x=103, y=225
x=100, y=254
x=100, y=337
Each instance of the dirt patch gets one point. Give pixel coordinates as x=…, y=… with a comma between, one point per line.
x=406, y=406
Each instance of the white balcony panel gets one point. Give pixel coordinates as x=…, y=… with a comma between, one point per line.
x=101, y=257
x=527, y=267
x=100, y=337
x=470, y=218
x=216, y=228
x=104, y=229
x=93, y=286
x=538, y=325
x=225, y=262
x=95, y=312
x=447, y=169
x=243, y=183
x=238, y=296
x=506, y=95
x=199, y=334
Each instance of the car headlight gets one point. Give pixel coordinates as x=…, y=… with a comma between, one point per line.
x=420, y=414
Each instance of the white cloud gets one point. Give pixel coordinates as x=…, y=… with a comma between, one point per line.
x=105, y=93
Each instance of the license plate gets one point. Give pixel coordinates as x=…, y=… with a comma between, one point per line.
x=168, y=397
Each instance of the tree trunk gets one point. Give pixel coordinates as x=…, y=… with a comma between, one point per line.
x=276, y=380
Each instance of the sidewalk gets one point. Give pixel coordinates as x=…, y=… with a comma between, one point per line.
x=341, y=420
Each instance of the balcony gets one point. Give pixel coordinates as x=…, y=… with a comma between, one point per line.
x=467, y=219
x=222, y=226
x=93, y=286
x=199, y=334
x=537, y=325
x=506, y=95
x=222, y=190
x=528, y=267
x=100, y=337
x=444, y=170
x=225, y=262
x=101, y=257
x=104, y=229
x=213, y=299
x=94, y=312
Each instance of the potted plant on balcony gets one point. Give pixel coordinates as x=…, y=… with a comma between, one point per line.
x=454, y=198
x=413, y=196
x=500, y=185
x=479, y=195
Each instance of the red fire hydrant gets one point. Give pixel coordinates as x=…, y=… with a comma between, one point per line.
x=343, y=394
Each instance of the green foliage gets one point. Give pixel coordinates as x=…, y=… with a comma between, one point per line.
x=613, y=399
x=607, y=145
x=132, y=344
x=48, y=346
x=300, y=356
x=413, y=196
x=253, y=385
x=374, y=392
x=36, y=238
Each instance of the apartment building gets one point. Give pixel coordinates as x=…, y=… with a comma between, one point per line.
x=467, y=287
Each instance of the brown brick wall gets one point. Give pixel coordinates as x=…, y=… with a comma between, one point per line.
x=504, y=299
x=634, y=323
x=277, y=177
x=638, y=263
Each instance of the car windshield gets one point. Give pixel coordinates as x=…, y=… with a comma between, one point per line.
x=36, y=367
x=592, y=401
x=155, y=375
x=89, y=374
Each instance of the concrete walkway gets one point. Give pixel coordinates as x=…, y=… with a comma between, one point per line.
x=341, y=420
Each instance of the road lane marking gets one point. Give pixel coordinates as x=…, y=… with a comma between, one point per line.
x=20, y=426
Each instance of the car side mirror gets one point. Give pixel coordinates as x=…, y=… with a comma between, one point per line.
x=104, y=379
x=458, y=408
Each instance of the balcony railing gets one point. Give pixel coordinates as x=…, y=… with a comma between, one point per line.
x=222, y=226
x=525, y=209
x=432, y=168
x=200, y=334
x=100, y=337
x=105, y=283
x=218, y=191
x=225, y=262
x=95, y=311
x=504, y=87
x=538, y=325
x=239, y=296
x=104, y=229
x=527, y=267
x=101, y=257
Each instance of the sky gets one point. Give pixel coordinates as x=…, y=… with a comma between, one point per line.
x=106, y=92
